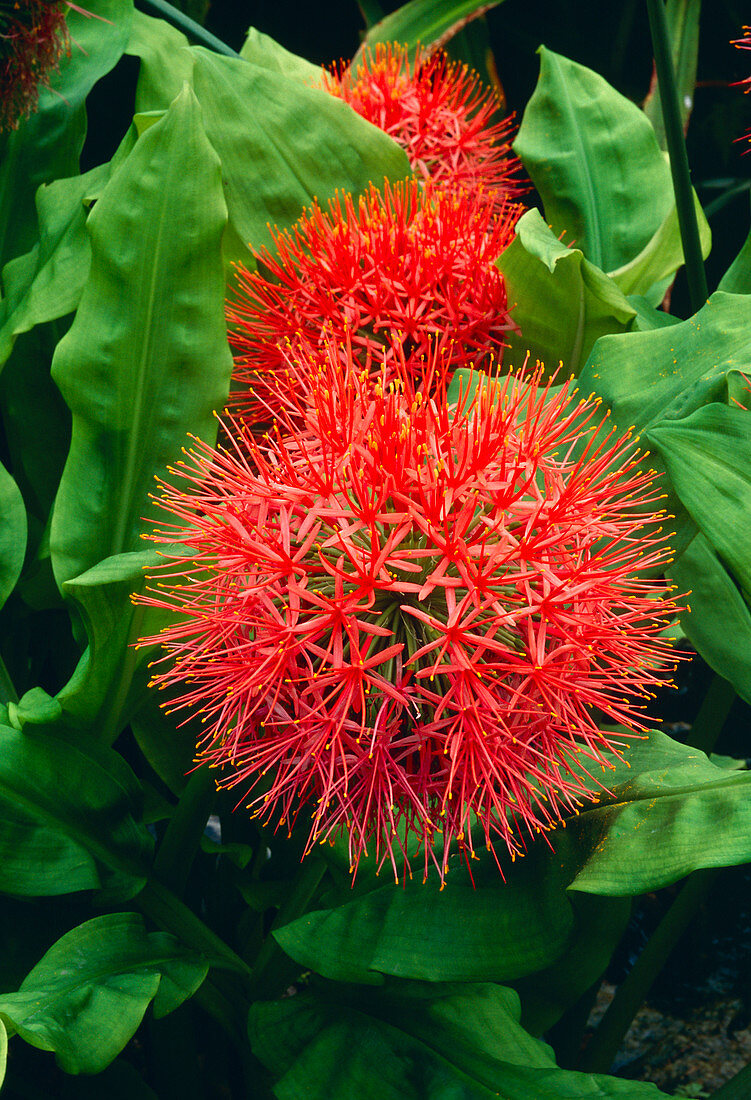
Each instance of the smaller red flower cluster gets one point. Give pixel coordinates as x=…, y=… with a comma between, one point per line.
x=441, y=115
x=393, y=272
x=402, y=610
x=33, y=38
x=745, y=44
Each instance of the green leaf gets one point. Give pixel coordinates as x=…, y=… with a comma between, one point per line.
x=262, y=50
x=723, y=639
x=46, y=283
x=650, y=273
x=166, y=62
x=670, y=812
x=595, y=161
x=69, y=816
x=109, y=683
x=495, y=932
x=85, y=999
x=411, y=1041
x=547, y=995
x=169, y=749
x=12, y=534
x=283, y=144
x=737, y=278
x=425, y=23
x=146, y=359
x=645, y=377
x=46, y=146
x=683, y=27
x=708, y=458
x=36, y=707
x=561, y=302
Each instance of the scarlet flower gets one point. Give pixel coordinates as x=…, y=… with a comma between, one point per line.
x=33, y=38
x=439, y=112
x=745, y=44
x=404, y=624
x=391, y=273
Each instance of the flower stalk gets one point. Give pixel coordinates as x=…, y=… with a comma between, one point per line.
x=679, y=167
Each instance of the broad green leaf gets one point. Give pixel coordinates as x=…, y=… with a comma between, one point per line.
x=721, y=637
x=424, y=22
x=411, y=1041
x=670, y=813
x=12, y=534
x=46, y=146
x=561, y=302
x=708, y=458
x=546, y=996
x=595, y=161
x=146, y=359
x=46, y=283
x=35, y=708
x=85, y=999
x=495, y=932
x=645, y=377
x=647, y=317
x=683, y=28
x=166, y=62
x=3, y=1051
x=109, y=683
x=169, y=748
x=262, y=50
x=737, y=278
x=653, y=820
x=69, y=816
x=283, y=144
x=36, y=422
x=650, y=273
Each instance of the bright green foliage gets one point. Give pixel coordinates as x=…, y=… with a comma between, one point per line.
x=594, y=158
x=581, y=302
x=47, y=145
x=69, y=814
x=411, y=1041
x=12, y=534
x=146, y=359
x=423, y=22
x=86, y=997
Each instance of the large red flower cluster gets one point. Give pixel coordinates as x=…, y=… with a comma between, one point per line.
x=407, y=619
x=403, y=587
x=439, y=112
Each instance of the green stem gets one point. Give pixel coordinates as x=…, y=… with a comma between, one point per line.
x=712, y=714
x=603, y=1047
x=269, y=977
x=684, y=195
x=166, y=910
x=162, y=10
x=178, y=849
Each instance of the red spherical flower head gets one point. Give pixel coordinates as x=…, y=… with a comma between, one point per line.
x=405, y=628
x=33, y=38
x=439, y=112
x=394, y=271
x=745, y=44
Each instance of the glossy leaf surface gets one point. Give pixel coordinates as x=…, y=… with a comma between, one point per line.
x=594, y=158
x=85, y=999
x=146, y=359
